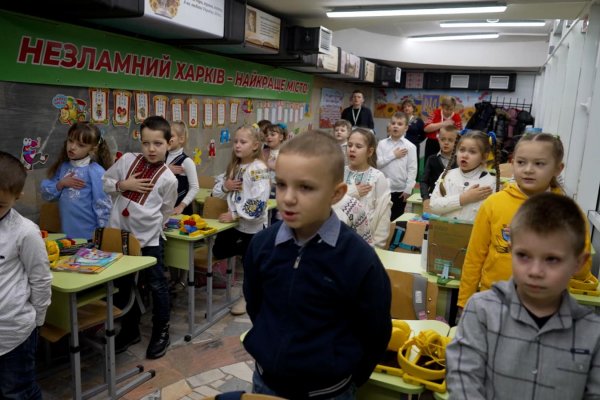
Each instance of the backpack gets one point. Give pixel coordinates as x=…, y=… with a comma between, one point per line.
x=482, y=117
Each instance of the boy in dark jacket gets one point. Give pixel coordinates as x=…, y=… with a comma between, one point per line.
x=317, y=294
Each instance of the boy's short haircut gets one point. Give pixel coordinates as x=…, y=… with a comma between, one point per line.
x=400, y=115
x=343, y=122
x=449, y=129
x=358, y=91
x=318, y=144
x=548, y=213
x=157, y=123
x=12, y=174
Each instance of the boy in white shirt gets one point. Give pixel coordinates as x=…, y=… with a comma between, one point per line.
x=25, y=287
x=341, y=131
x=397, y=159
x=144, y=192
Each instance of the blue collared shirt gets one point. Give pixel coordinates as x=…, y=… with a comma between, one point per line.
x=329, y=232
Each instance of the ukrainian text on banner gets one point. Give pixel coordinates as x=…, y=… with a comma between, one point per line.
x=40, y=51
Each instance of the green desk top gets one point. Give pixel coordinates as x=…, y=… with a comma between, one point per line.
x=593, y=301
x=411, y=263
x=415, y=198
x=214, y=223
x=203, y=193
x=71, y=282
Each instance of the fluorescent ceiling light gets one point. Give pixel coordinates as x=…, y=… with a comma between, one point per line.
x=485, y=24
x=469, y=36
x=422, y=9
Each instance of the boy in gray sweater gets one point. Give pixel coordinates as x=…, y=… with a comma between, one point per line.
x=527, y=338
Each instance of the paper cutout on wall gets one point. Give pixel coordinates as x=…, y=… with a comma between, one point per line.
x=197, y=156
x=160, y=105
x=221, y=112
x=141, y=107
x=212, y=149
x=71, y=109
x=99, y=106
x=247, y=106
x=224, y=136
x=208, y=112
x=30, y=155
x=192, y=105
x=177, y=109
x=135, y=135
x=121, y=107
x=234, y=106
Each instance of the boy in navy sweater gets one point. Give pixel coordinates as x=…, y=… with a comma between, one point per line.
x=316, y=292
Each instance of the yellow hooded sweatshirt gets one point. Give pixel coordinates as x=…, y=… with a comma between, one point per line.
x=488, y=257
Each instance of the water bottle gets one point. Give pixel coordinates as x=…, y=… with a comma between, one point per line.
x=424, y=252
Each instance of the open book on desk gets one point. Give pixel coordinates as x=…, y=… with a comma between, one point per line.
x=88, y=261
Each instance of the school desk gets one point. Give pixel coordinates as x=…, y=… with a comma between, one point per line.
x=179, y=253
x=416, y=203
x=411, y=263
x=203, y=193
x=381, y=386
x=71, y=290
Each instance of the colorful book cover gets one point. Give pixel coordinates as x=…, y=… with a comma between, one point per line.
x=89, y=261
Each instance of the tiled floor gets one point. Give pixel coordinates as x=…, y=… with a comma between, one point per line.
x=211, y=363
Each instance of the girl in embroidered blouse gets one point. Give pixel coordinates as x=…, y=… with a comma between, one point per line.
x=460, y=191
x=368, y=184
x=75, y=181
x=246, y=187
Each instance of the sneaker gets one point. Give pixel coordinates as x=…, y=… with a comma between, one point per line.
x=158, y=342
x=239, y=308
x=125, y=339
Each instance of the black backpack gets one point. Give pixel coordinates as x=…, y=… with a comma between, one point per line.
x=483, y=117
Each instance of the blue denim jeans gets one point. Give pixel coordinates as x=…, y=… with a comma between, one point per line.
x=259, y=386
x=17, y=371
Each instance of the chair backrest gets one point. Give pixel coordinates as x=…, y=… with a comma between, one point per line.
x=205, y=181
x=213, y=207
x=405, y=290
x=50, y=217
x=116, y=240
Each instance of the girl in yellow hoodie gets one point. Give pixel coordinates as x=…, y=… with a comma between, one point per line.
x=537, y=162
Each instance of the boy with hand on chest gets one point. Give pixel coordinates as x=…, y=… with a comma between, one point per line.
x=317, y=294
x=527, y=338
x=144, y=192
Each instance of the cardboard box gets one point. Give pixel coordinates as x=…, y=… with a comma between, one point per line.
x=447, y=247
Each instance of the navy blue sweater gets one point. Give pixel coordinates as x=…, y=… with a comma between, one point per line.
x=320, y=314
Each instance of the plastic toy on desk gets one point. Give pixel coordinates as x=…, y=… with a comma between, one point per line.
x=194, y=226
x=53, y=252
x=172, y=223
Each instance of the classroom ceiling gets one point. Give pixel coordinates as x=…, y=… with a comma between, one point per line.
x=312, y=13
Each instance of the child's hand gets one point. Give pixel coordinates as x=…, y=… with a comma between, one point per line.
x=363, y=189
x=399, y=153
x=448, y=122
x=179, y=209
x=136, y=185
x=232, y=184
x=226, y=217
x=71, y=181
x=176, y=169
x=475, y=194
x=405, y=196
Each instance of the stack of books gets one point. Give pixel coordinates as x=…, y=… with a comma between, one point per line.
x=89, y=261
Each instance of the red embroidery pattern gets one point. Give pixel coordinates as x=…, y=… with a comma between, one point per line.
x=148, y=171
